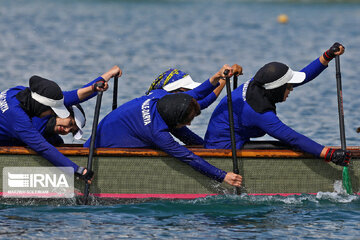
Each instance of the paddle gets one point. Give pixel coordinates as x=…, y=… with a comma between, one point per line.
x=93, y=137
x=115, y=93
x=235, y=82
x=346, y=176
x=232, y=131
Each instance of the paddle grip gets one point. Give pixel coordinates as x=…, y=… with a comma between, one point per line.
x=99, y=84
x=335, y=49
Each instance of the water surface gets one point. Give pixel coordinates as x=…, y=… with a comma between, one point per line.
x=73, y=42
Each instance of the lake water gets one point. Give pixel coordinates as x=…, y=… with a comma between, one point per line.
x=73, y=42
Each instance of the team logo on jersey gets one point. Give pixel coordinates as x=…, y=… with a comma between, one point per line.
x=145, y=109
x=3, y=103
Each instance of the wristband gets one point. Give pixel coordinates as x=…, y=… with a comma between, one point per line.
x=328, y=156
x=328, y=55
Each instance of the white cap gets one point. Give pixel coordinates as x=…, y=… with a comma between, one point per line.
x=289, y=77
x=56, y=105
x=80, y=121
x=185, y=82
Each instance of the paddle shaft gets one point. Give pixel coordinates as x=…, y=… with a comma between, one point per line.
x=340, y=103
x=232, y=130
x=92, y=142
x=346, y=176
x=115, y=93
x=235, y=82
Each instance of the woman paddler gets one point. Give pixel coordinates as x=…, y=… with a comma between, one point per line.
x=255, y=109
x=147, y=121
x=51, y=126
x=41, y=99
x=34, y=115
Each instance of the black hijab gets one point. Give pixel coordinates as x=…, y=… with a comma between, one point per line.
x=50, y=127
x=261, y=99
x=173, y=108
x=29, y=105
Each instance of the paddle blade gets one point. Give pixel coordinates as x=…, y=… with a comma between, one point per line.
x=347, y=181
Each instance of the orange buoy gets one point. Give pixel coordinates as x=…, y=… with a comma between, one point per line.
x=283, y=18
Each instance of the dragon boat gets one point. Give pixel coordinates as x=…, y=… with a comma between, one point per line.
x=268, y=168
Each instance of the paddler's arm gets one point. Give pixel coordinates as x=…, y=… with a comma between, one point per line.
x=165, y=142
x=187, y=136
x=209, y=99
x=273, y=126
x=212, y=86
x=331, y=53
x=235, y=70
x=85, y=92
x=217, y=91
x=25, y=131
x=88, y=91
x=320, y=64
x=214, y=80
x=206, y=88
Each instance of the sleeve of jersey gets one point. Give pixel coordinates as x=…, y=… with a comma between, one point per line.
x=165, y=142
x=187, y=136
x=272, y=125
x=207, y=101
x=312, y=71
x=24, y=130
x=71, y=97
x=202, y=91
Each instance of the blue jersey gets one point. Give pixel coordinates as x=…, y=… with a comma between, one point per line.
x=138, y=124
x=16, y=128
x=250, y=124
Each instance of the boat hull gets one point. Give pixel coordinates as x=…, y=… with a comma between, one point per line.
x=145, y=173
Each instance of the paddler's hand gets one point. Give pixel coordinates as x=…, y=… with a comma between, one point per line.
x=220, y=74
x=338, y=156
x=334, y=50
x=85, y=174
x=100, y=86
x=237, y=69
x=114, y=71
x=233, y=179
